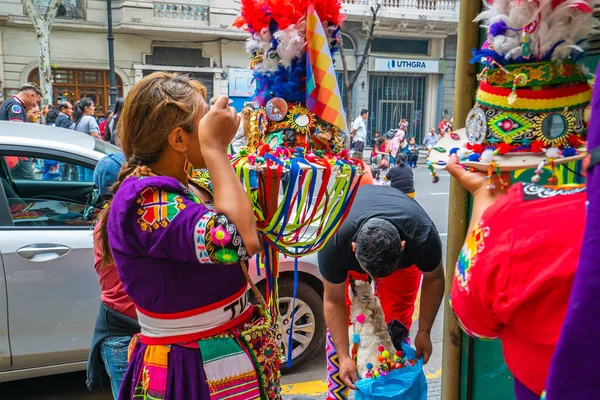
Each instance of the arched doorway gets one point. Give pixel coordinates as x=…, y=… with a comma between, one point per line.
x=73, y=84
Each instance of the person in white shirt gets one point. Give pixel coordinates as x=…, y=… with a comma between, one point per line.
x=359, y=131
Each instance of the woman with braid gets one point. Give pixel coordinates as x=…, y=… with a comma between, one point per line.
x=180, y=245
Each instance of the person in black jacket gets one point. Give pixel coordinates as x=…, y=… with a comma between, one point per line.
x=64, y=118
x=401, y=176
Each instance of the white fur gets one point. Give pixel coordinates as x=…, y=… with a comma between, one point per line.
x=374, y=332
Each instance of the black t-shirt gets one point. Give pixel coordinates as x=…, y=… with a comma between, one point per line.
x=401, y=178
x=423, y=245
x=13, y=110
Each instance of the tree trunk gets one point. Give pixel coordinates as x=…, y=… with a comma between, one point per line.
x=43, y=26
x=350, y=79
x=45, y=67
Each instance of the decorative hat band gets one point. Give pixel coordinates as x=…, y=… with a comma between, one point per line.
x=530, y=100
x=534, y=75
x=490, y=127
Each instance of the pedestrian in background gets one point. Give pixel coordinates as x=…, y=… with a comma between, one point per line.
x=376, y=136
x=15, y=108
x=442, y=126
x=401, y=177
x=51, y=115
x=382, y=158
x=113, y=124
x=376, y=174
x=413, y=152
x=359, y=131
x=33, y=114
x=104, y=123
x=84, y=121
x=83, y=118
x=116, y=322
x=63, y=120
x=430, y=140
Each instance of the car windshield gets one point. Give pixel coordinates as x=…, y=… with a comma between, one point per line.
x=105, y=148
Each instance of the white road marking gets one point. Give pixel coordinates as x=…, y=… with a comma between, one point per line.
x=440, y=194
x=443, y=234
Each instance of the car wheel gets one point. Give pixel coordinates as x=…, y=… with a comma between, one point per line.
x=309, y=330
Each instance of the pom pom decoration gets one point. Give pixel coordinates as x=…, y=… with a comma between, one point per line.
x=360, y=318
x=487, y=156
x=553, y=152
x=356, y=338
x=474, y=157
x=385, y=354
x=569, y=152
x=381, y=348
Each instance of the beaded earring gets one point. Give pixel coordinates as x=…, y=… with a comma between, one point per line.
x=188, y=167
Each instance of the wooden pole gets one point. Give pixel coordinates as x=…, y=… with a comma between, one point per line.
x=464, y=92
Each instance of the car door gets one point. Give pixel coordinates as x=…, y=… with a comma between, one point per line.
x=46, y=245
x=5, y=358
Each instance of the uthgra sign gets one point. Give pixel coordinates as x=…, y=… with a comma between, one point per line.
x=400, y=65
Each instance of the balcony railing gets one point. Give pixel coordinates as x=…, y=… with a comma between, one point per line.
x=425, y=5
x=181, y=12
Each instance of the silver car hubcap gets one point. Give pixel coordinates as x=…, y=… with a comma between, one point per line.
x=303, y=330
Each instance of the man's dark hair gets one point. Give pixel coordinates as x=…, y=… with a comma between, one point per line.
x=62, y=106
x=378, y=247
x=363, y=111
x=32, y=87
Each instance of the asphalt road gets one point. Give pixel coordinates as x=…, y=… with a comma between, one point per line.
x=306, y=381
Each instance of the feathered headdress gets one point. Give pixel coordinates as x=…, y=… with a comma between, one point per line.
x=532, y=102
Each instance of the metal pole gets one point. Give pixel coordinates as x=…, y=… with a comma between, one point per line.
x=465, y=85
x=112, y=91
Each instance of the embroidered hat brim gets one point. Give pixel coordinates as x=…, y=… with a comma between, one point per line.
x=512, y=161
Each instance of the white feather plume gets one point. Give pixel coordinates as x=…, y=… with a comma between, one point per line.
x=291, y=43
x=560, y=31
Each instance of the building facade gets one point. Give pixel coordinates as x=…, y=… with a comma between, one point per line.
x=410, y=69
x=409, y=72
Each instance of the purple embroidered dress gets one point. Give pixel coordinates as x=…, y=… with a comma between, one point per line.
x=179, y=262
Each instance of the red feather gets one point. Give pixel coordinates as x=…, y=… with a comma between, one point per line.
x=254, y=14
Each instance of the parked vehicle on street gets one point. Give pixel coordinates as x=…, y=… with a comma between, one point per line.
x=49, y=291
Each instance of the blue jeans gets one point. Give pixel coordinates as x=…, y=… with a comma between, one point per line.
x=114, y=354
x=85, y=174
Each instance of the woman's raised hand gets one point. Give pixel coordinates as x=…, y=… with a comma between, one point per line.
x=218, y=127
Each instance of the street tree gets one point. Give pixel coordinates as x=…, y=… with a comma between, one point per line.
x=42, y=14
x=351, y=77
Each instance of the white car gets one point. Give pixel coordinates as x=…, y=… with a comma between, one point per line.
x=49, y=291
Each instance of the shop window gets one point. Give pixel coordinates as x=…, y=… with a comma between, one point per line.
x=400, y=46
x=73, y=84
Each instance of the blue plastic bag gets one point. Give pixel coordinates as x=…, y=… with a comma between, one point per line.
x=407, y=383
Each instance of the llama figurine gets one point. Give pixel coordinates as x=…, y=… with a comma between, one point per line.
x=369, y=333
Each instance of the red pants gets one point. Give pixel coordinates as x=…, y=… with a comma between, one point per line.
x=397, y=293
